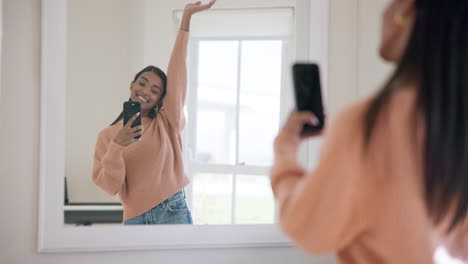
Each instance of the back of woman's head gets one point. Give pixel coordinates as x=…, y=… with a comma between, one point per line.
x=436, y=62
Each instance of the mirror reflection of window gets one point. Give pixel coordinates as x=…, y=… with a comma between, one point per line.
x=261, y=76
x=216, y=102
x=255, y=202
x=238, y=84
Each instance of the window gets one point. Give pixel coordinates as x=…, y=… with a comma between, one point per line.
x=233, y=117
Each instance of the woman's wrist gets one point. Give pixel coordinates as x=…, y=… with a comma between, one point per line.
x=185, y=24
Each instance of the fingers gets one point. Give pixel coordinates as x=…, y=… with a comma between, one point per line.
x=127, y=135
x=291, y=132
x=211, y=3
x=305, y=117
x=136, y=131
x=298, y=119
x=207, y=6
x=296, y=122
x=311, y=134
x=131, y=120
x=137, y=128
x=137, y=136
x=134, y=134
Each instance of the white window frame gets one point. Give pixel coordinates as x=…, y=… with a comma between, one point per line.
x=190, y=136
x=53, y=235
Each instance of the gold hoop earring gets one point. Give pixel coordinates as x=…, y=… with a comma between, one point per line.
x=399, y=19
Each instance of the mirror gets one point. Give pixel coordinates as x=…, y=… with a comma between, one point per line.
x=311, y=22
x=238, y=68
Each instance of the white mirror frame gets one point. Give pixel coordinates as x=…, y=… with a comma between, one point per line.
x=54, y=236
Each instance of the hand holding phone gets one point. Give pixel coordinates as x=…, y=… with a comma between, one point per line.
x=308, y=94
x=129, y=110
x=132, y=128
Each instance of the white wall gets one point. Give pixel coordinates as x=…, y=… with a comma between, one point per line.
x=105, y=50
x=343, y=57
x=373, y=71
x=355, y=69
x=19, y=138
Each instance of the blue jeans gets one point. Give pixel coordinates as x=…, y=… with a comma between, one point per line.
x=174, y=210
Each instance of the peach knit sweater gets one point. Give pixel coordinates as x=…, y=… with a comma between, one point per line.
x=366, y=206
x=151, y=170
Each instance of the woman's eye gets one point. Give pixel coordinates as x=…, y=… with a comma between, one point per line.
x=155, y=92
x=142, y=84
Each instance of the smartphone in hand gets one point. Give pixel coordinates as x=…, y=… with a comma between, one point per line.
x=308, y=93
x=129, y=110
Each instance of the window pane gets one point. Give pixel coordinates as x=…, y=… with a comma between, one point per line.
x=261, y=69
x=215, y=137
x=254, y=200
x=216, y=102
x=212, y=199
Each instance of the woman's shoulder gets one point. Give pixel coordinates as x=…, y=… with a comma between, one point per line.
x=352, y=117
x=403, y=97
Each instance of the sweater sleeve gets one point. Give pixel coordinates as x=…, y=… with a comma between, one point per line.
x=325, y=209
x=109, y=166
x=177, y=82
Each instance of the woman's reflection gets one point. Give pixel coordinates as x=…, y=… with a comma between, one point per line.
x=148, y=173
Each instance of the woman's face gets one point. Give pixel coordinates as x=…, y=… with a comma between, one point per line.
x=147, y=90
x=396, y=28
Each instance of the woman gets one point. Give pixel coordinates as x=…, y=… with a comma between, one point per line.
x=391, y=185
x=148, y=173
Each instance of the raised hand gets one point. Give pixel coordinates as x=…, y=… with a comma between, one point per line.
x=193, y=8
x=127, y=133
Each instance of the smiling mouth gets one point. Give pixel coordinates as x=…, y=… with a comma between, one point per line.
x=143, y=100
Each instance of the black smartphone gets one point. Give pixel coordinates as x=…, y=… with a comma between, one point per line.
x=129, y=110
x=308, y=93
